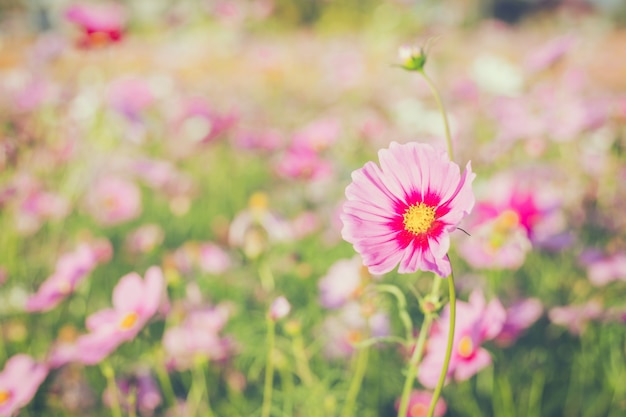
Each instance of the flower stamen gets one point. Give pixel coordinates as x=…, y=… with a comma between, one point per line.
x=129, y=321
x=4, y=396
x=466, y=347
x=418, y=218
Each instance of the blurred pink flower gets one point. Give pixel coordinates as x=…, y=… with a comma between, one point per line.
x=305, y=224
x=199, y=122
x=197, y=335
x=143, y=387
x=258, y=139
x=519, y=316
x=575, y=318
x=114, y=200
x=549, y=53
x=101, y=23
x=476, y=322
x=213, y=259
x=606, y=269
x=279, y=308
x=135, y=301
x=402, y=212
x=419, y=403
x=303, y=163
x=145, y=238
x=498, y=243
x=342, y=283
x=354, y=323
x=71, y=269
x=318, y=135
x=129, y=96
x=19, y=381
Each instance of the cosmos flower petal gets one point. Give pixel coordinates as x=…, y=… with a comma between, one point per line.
x=466, y=369
x=404, y=209
x=125, y=292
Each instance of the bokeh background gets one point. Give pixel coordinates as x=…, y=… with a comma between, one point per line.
x=214, y=140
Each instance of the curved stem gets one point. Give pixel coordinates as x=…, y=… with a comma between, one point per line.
x=442, y=110
x=444, y=371
x=355, y=384
x=269, y=370
x=418, y=352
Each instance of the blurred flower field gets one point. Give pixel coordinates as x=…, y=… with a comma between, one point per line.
x=200, y=209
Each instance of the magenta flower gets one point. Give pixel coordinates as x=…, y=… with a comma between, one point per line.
x=419, y=403
x=475, y=323
x=19, y=381
x=70, y=270
x=576, y=317
x=114, y=200
x=303, y=163
x=101, y=23
x=605, y=269
x=402, y=212
x=135, y=301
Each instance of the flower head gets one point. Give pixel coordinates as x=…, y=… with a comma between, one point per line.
x=402, y=212
x=419, y=402
x=19, y=382
x=135, y=301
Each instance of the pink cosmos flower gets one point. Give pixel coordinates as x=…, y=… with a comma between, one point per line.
x=576, y=317
x=279, y=309
x=318, y=135
x=114, y=200
x=71, y=269
x=353, y=323
x=303, y=163
x=19, y=381
x=198, y=335
x=342, y=282
x=129, y=96
x=135, y=301
x=476, y=322
x=402, y=212
x=145, y=238
x=419, y=403
x=519, y=316
x=101, y=23
x=606, y=269
x=546, y=55
x=213, y=259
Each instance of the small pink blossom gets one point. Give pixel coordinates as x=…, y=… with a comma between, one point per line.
x=607, y=269
x=145, y=238
x=576, y=317
x=318, y=135
x=71, y=269
x=114, y=200
x=213, y=259
x=342, y=283
x=279, y=309
x=549, y=53
x=476, y=322
x=419, y=403
x=129, y=96
x=135, y=301
x=19, y=381
x=199, y=122
x=352, y=324
x=402, y=213
x=198, y=335
x=303, y=163
x=519, y=316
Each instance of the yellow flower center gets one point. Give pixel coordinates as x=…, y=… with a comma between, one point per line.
x=507, y=220
x=128, y=321
x=4, y=396
x=418, y=218
x=466, y=347
x=418, y=410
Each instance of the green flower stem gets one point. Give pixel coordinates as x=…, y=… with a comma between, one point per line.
x=269, y=370
x=355, y=384
x=302, y=361
x=199, y=390
x=444, y=371
x=418, y=352
x=109, y=374
x=166, y=383
x=442, y=110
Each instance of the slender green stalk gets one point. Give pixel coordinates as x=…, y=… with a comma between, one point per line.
x=442, y=110
x=166, y=384
x=269, y=370
x=302, y=361
x=418, y=352
x=444, y=371
x=355, y=384
x=109, y=374
x=535, y=394
x=199, y=390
